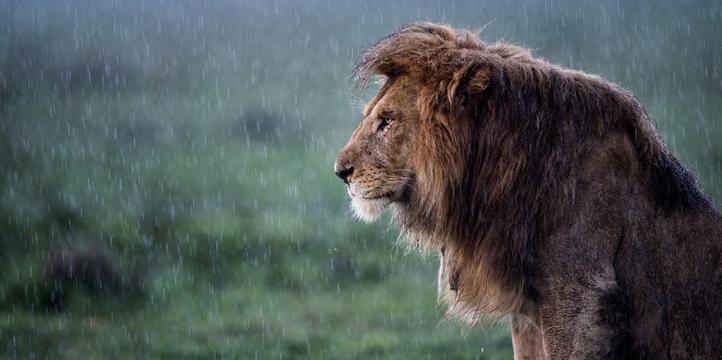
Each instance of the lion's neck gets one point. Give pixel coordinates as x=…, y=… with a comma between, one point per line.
x=479, y=274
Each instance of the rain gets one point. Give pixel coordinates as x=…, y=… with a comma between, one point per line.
x=166, y=169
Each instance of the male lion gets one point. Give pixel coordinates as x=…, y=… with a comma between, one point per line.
x=548, y=194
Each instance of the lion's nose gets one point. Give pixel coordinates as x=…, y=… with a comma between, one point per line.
x=343, y=172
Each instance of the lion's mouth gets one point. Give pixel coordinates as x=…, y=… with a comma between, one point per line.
x=388, y=195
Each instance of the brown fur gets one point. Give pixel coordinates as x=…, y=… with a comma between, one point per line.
x=548, y=193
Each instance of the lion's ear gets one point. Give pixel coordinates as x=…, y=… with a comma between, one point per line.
x=471, y=79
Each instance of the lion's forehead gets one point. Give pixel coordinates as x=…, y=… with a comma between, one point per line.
x=398, y=92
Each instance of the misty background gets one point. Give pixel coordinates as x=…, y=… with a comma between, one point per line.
x=166, y=185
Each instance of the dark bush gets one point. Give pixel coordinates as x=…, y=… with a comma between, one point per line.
x=67, y=270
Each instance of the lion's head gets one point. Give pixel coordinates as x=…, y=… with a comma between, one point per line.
x=378, y=162
x=387, y=157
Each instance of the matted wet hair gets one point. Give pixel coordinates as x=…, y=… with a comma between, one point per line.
x=501, y=139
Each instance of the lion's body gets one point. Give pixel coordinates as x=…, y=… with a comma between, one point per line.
x=620, y=277
x=548, y=194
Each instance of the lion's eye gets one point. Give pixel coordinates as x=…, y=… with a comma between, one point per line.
x=383, y=123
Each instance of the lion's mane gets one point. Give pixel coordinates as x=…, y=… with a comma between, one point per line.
x=502, y=138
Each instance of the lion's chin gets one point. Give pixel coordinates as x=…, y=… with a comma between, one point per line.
x=368, y=210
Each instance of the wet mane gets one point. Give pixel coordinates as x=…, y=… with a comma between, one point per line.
x=502, y=138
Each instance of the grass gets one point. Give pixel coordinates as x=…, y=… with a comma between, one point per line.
x=223, y=279
x=190, y=317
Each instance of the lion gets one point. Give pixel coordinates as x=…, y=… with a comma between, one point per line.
x=547, y=194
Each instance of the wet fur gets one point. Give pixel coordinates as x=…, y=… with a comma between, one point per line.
x=552, y=199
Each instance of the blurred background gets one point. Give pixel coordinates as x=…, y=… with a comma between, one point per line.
x=166, y=185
